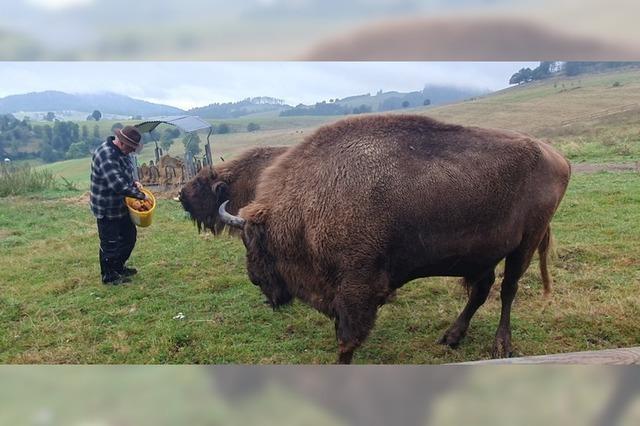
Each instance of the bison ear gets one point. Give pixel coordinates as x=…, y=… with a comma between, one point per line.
x=220, y=189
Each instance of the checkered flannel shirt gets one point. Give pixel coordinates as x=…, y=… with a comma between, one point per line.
x=111, y=181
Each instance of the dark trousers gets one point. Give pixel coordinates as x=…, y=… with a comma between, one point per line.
x=117, y=239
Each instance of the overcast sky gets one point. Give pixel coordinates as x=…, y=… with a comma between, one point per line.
x=190, y=84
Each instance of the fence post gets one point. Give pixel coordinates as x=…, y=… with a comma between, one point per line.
x=134, y=162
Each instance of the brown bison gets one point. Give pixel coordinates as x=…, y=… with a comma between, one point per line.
x=365, y=205
x=203, y=195
x=234, y=180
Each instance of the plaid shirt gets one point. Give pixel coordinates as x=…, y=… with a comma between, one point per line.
x=111, y=181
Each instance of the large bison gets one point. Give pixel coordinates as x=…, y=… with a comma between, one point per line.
x=234, y=180
x=365, y=205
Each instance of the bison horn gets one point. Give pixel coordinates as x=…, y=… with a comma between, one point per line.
x=229, y=219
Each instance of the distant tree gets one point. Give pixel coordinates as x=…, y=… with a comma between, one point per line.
x=167, y=137
x=405, y=104
x=48, y=133
x=426, y=102
x=543, y=70
x=191, y=143
x=96, y=132
x=38, y=132
x=152, y=136
x=77, y=150
x=252, y=127
x=50, y=116
x=523, y=76
x=97, y=115
x=223, y=128
x=85, y=132
x=361, y=109
x=48, y=154
x=64, y=134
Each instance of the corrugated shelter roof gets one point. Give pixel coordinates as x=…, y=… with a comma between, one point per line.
x=186, y=123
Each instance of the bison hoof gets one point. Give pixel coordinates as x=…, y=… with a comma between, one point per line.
x=452, y=337
x=502, y=348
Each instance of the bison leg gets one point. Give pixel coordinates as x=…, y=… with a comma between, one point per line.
x=355, y=309
x=516, y=264
x=479, y=292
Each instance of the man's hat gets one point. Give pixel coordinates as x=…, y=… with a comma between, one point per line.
x=129, y=136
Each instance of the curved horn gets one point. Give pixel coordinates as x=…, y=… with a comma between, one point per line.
x=228, y=219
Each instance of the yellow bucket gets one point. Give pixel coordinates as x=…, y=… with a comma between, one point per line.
x=141, y=219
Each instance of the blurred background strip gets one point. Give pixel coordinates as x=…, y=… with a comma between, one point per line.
x=319, y=30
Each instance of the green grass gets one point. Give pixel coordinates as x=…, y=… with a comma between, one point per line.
x=55, y=310
x=23, y=180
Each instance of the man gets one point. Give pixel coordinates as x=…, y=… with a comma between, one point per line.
x=112, y=180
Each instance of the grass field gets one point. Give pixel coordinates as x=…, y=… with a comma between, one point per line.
x=54, y=309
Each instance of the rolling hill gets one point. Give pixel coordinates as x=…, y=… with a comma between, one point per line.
x=577, y=115
x=106, y=103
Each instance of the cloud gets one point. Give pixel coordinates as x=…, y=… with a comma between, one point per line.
x=59, y=4
x=191, y=84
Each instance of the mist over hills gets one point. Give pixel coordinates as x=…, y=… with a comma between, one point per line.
x=120, y=106
x=106, y=103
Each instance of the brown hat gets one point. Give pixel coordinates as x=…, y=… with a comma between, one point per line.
x=129, y=136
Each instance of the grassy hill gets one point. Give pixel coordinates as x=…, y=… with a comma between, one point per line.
x=542, y=108
x=538, y=108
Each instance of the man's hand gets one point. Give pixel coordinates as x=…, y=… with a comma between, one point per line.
x=138, y=185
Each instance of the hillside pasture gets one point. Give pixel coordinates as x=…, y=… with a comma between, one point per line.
x=193, y=303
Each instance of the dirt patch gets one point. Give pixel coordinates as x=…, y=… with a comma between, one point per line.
x=5, y=233
x=605, y=167
x=81, y=200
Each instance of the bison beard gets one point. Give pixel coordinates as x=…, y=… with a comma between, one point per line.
x=365, y=205
x=263, y=272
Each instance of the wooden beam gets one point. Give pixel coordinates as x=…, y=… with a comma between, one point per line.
x=624, y=356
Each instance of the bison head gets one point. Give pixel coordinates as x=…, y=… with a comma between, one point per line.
x=261, y=263
x=202, y=196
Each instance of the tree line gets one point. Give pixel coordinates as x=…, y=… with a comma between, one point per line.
x=64, y=140
x=548, y=69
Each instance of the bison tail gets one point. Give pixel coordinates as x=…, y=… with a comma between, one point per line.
x=545, y=248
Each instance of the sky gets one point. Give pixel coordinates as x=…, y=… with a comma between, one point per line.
x=192, y=84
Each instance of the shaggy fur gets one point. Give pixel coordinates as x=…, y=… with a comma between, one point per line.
x=234, y=180
x=367, y=204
